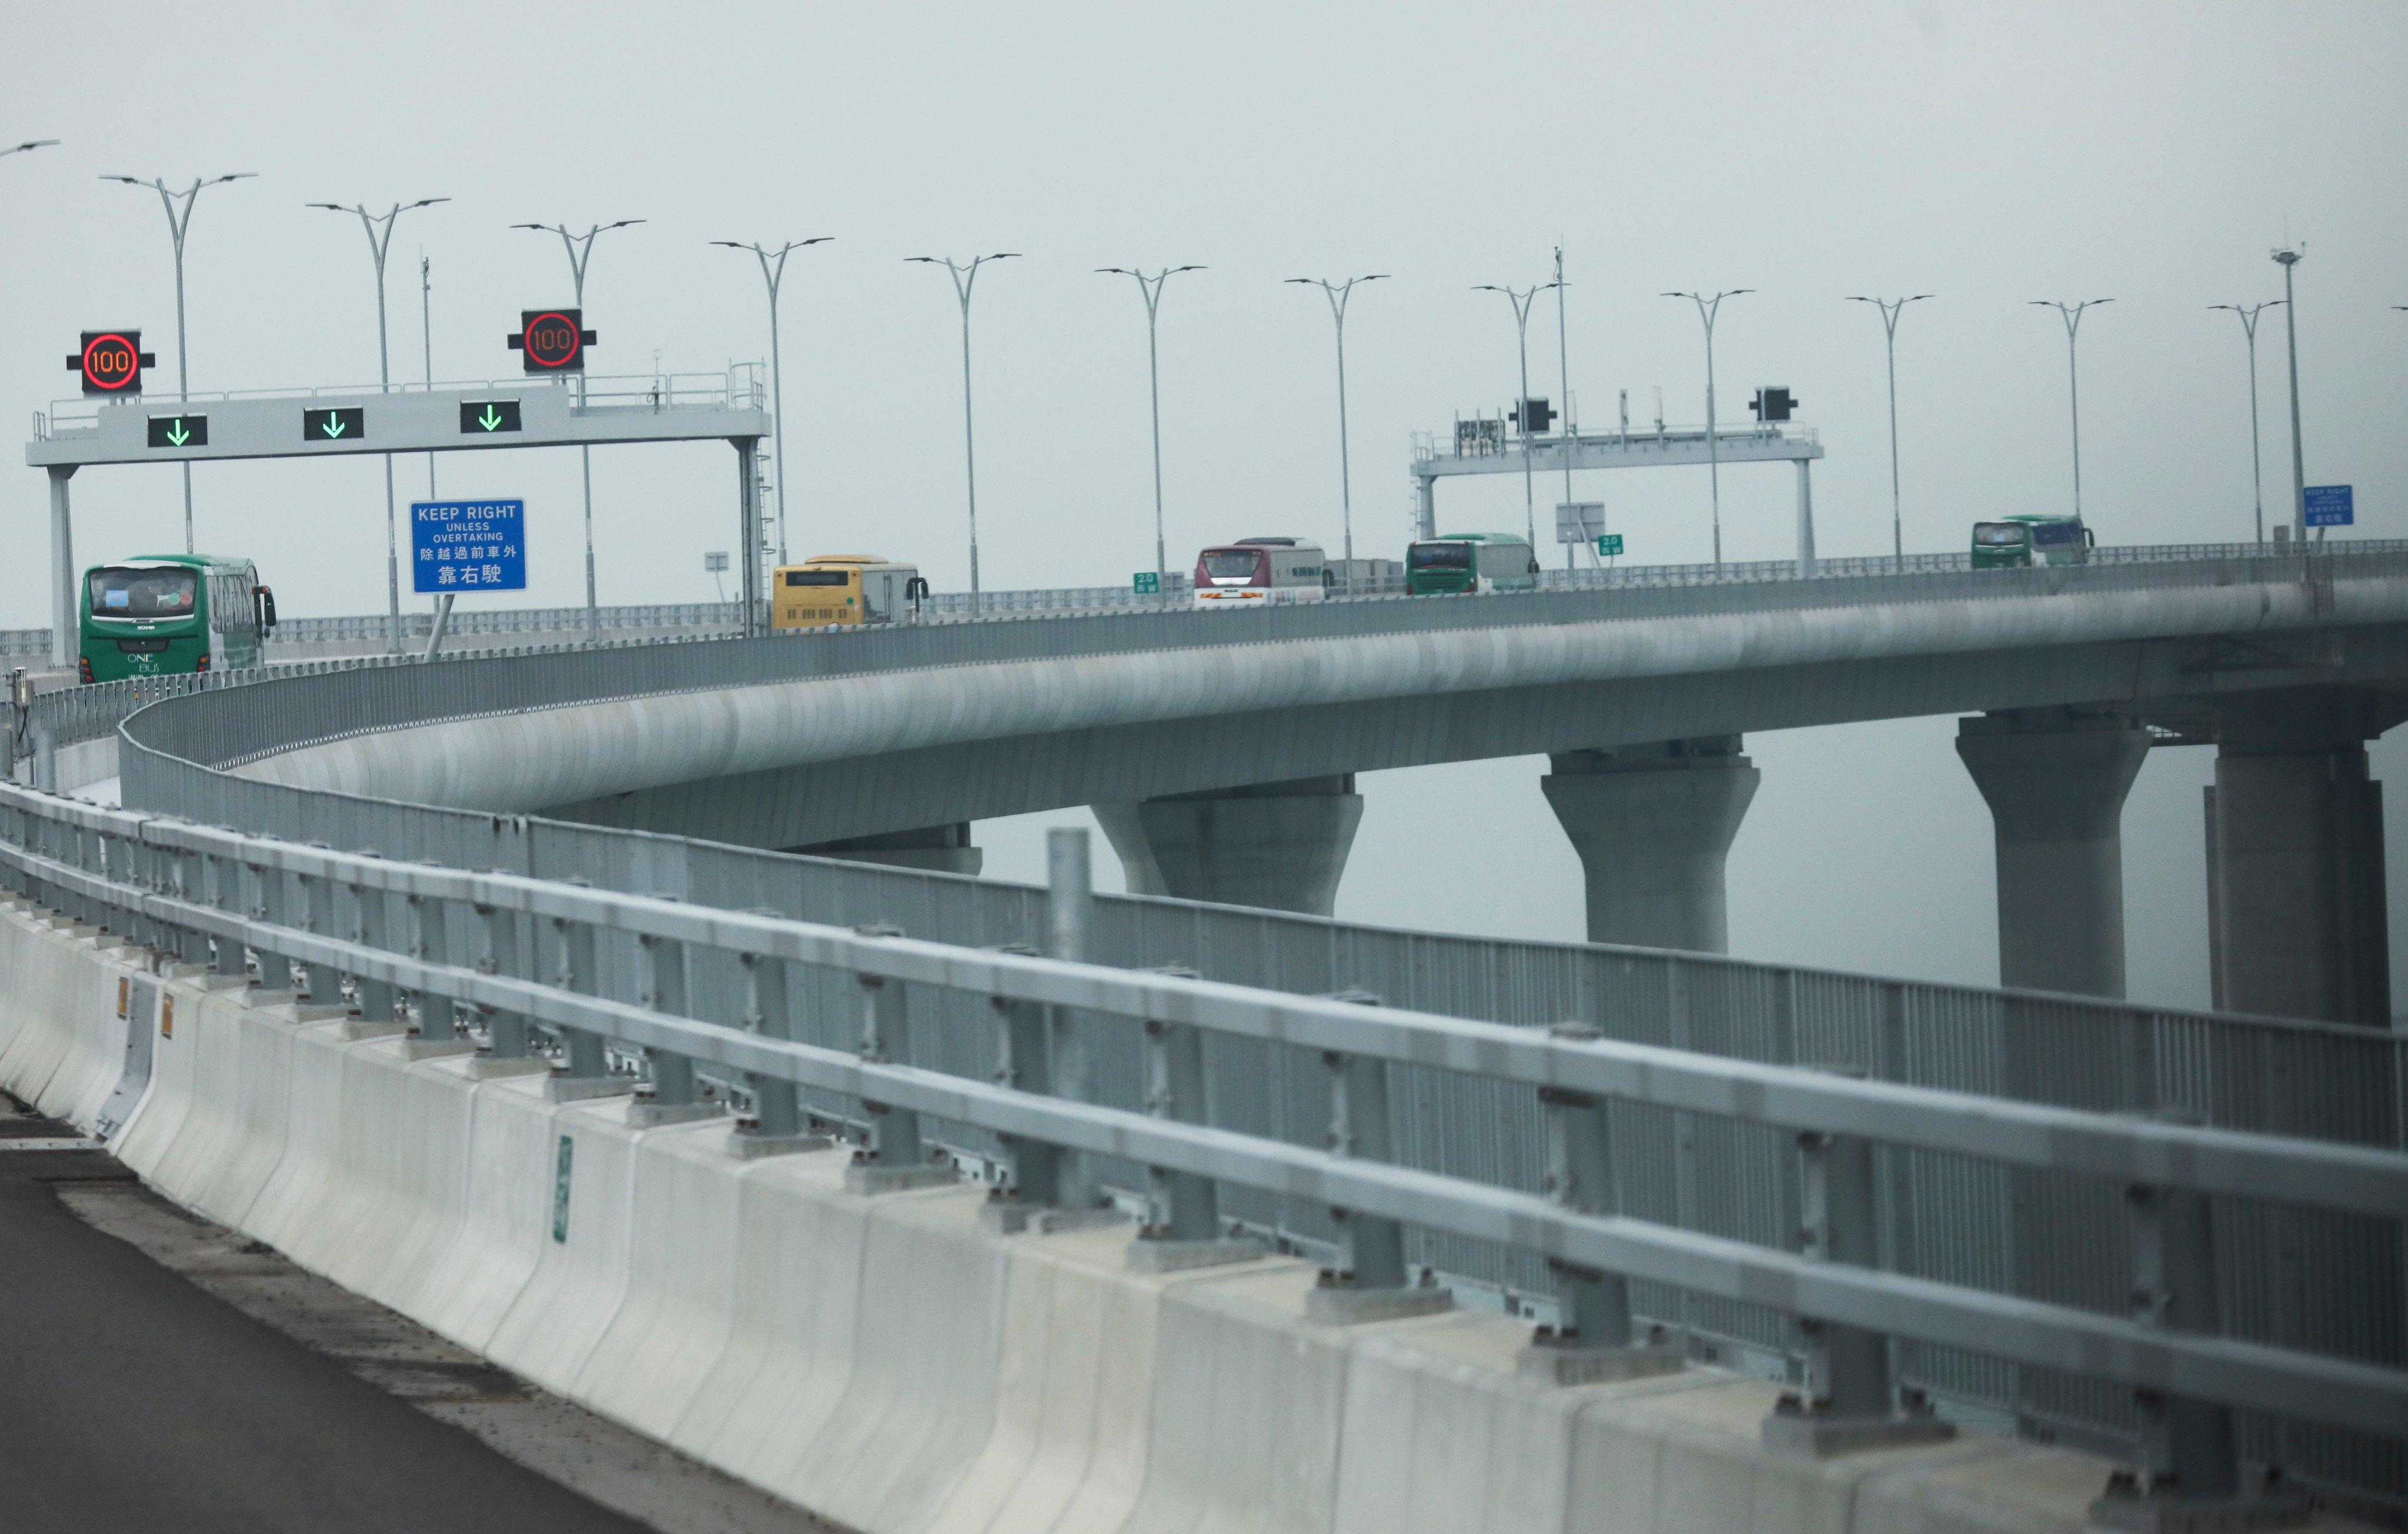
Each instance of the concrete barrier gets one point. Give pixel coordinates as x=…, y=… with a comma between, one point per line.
x=891, y=1364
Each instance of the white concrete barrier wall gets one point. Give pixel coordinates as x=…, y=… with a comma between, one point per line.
x=888, y=1363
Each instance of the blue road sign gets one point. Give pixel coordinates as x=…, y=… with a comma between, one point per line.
x=457, y=546
x=2330, y=506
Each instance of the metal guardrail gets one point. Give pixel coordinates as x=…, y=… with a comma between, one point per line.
x=2322, y=1283
x=203, y=894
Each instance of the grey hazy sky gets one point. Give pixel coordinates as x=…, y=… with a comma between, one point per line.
x=1990, y=154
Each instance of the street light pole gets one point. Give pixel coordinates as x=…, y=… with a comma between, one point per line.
x=1521, y=301
x=379, y=227
x=1338, y=293
x=427, y=334
x=581, y=253
x=2257, y=464
x=2072, y=316
x=1564, y=364
x=2287, y=259
x=1151, y=288
x=965, y=276
x=773, y=276
x=1707, y=309
x=1891, y=310
x=177, y=225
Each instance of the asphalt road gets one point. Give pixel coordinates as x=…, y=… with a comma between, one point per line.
x=132, y=1401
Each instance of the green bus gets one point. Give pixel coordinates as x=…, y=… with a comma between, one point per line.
x=1460, y=562
x=2031, y=539
x=164, y=614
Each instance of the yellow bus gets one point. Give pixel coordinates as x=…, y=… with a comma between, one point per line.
x=848, y=589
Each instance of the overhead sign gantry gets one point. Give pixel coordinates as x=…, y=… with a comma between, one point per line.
x=352, y=422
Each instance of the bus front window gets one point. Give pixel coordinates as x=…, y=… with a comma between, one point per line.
x=1233, y=565
x=1999, y=535
x=1439, y=556
x=121, y=592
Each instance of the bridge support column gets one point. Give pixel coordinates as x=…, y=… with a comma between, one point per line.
x=2055, y=783
x=1805, y=521
x=936, y=849
x=1652, y=825
x=2296, y=898
x=1281, y=846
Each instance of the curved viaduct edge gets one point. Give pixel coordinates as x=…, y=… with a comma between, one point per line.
x=591, y=751
x=822, y=801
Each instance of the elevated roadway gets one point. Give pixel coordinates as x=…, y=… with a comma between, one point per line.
x=1219, y=749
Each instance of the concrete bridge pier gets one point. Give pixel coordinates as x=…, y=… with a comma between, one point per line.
x=2056, y=781
x=1653, y=824
x=1281, y=846
x=934, y=849
x=2296, y=897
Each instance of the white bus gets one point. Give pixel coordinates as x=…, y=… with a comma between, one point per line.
x=1256, y=570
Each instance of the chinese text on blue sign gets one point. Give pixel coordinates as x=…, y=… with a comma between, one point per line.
x=460, y=546
x=2330, y=506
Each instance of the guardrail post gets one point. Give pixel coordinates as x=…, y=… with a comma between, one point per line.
x=319, y=986
x=271, y=906
x=1848, y=1404
x=1368, y=1281
x=671, y=1096
x=1025, y=1062
x=2190, y=1472
x=222, y=876
x=777, y=1125
x=588, y=1074
x=372, y=927
x=505, y=1029
x=896, y=1159
x=1593, y=1338
x=436, y=1022
x=1182, y=1224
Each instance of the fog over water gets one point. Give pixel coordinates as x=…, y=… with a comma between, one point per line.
x=1987, y=154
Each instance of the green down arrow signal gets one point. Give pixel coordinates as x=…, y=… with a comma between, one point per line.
x=490, y=419
x=177, y=434
x=333, y=426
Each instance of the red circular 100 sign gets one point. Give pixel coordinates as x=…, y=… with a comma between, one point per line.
x=112, y=362
x=553, y=341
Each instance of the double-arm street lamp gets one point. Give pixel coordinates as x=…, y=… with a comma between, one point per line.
x=1151, y=288
x=2257, y=464
x=1521, y=299
x=1891, y=310
x=581, y=252
x=1338, y=292
x=773, y=271
x=1707, y=309
x=178, y=223
x=379, y=227
x=965, y=275
x=2073, y=315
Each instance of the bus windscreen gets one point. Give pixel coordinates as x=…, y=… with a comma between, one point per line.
x=168, y=592
x=1439, y=556
x=1232, y=563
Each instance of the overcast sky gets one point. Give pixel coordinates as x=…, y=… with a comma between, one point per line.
x=1990, y=155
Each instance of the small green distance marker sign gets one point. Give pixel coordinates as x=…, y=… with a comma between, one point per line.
x=560, y=1190
x=1609, y=545
x=179, y=431
x=337, y=425
x=1147, y=583
x=488, y=417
